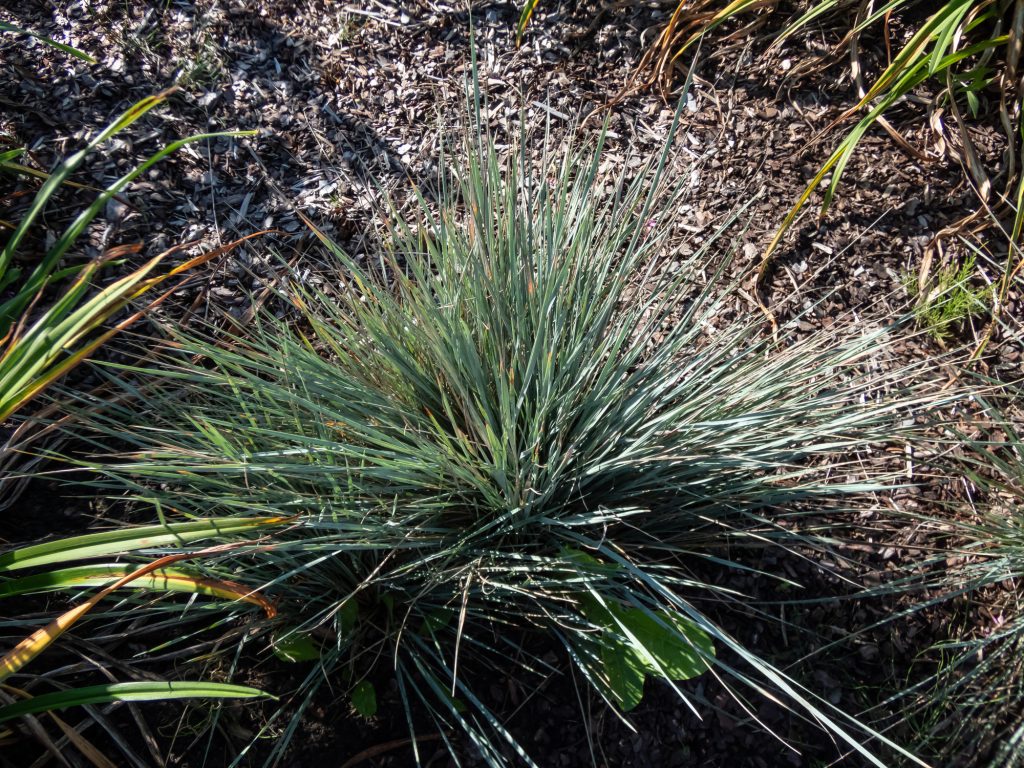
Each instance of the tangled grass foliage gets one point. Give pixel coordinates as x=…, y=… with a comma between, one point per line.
x=518, y=420
x=973, y=704
x=991, y=691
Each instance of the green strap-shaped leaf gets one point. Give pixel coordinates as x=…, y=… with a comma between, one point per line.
x=5, y=27
x=102, y=574
x=139, y=691
x=129, y=540
x=524, y=18
x=11, y=154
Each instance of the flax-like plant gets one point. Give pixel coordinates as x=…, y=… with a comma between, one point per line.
x=25, y=699
x=966, y=48
x=53, y=314
x=35, y=350
x=968, y=52
x=524, y=416
x=48, y=325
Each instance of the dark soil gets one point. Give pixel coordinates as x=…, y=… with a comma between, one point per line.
x=345, y=100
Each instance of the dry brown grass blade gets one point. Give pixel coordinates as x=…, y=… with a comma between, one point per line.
x=866, y=96
x=82, y=744
x=686, y=17
x=31, y=722
x=718, y=50
x=852, y=40
x=386, y=747
x=971, y=225
x=689, y=20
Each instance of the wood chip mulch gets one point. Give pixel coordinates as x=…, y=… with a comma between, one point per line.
x=350, y=101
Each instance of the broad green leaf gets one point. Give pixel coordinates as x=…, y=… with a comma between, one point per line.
x=435, y=621
x=636, y=642
x=348, y=617
x=138, y=691
x=593, y=566
x=579, y=556
x=295, y=646
x=364, y=698
x=674, y=643
x=625, y=674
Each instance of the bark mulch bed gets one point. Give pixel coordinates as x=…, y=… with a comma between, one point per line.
x=349, y=103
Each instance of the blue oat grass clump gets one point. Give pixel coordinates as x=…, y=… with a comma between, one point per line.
x=524, y=414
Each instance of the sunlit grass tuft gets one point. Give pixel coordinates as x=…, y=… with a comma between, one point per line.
x=517, y=418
